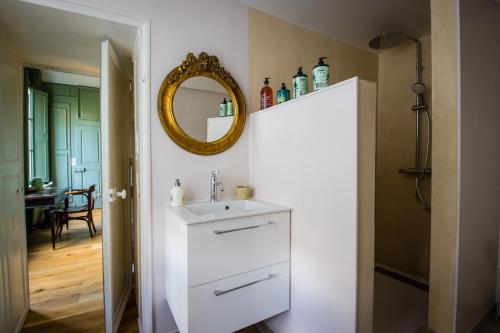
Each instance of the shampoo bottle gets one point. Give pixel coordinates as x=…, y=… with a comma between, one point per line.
x=177, y=194
x=283, y=94
x=230, y=111
x=321, y=75
x=299, y=84
x=223, y=108
x=266, y=95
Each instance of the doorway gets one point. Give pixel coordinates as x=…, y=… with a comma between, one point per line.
x=63, y=150
x=87, y=145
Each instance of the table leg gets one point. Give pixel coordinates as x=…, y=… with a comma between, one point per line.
x=50, y=219
x=29, y=220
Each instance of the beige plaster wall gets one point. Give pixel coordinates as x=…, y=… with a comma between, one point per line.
x=277, y=48
x=402, y=226
x=479, y=160
x=443, y=266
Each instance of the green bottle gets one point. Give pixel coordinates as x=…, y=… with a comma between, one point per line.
x=230, y=111
x=283, y=94
x=223, y=108
x=299, y=84
x=321, y=75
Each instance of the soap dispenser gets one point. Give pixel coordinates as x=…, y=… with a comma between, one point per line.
x=321, y=75
x=266, y=95
x=299, y=84
x=177, y=194
x=283, y=94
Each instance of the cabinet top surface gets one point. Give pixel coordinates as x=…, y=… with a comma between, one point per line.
x=205, y=211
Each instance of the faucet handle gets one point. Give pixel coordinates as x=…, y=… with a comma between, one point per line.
x=215, y=173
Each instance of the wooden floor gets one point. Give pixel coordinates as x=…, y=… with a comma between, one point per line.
x=66, y=290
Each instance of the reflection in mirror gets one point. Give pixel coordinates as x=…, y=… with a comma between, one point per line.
x=198, y=110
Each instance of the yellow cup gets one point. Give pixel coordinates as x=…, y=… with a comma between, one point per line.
x=243, y=192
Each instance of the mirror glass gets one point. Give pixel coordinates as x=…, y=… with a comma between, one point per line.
x=202, y=108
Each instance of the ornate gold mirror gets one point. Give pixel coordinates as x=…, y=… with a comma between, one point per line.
x=194, y=105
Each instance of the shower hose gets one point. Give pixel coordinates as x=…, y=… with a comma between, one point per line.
x=420, y=198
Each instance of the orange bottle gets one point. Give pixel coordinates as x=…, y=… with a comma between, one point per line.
x=266, y=95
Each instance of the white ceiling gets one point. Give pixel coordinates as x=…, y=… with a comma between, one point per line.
x=54, y=38
x=352, y=21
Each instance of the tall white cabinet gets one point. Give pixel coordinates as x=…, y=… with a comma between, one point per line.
x=316, y=154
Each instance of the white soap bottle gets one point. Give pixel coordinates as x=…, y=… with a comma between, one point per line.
x=177, y=194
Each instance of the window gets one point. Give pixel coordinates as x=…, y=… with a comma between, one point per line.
x=37, y=126
x=31, y=136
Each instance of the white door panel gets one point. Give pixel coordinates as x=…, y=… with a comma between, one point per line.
x=116, y=228
x=13, y=272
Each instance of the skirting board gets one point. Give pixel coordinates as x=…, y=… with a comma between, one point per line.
x=402, y=277
x=490, y=313
x=20, y=324
x=118, y=315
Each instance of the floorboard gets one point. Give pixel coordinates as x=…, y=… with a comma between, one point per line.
x=66, y=290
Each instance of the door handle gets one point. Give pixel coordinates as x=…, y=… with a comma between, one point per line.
x=114, y=194
x=80, y=169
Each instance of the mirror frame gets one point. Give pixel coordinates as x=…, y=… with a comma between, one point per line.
x=208, y=66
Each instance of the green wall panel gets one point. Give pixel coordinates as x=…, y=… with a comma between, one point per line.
x=89, y=104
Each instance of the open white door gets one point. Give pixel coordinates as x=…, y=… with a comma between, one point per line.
x=116, y=228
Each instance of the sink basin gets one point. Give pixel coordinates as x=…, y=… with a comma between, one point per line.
x=205, y=211
x=220, y=207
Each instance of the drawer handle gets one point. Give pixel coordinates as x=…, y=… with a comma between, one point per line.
x=219, y=232
x=222, y=292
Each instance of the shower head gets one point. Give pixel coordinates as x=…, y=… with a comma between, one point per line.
x=418, y=88
x=389, y=40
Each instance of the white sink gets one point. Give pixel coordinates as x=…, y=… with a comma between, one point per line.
x=209, y=208
x=205, y=211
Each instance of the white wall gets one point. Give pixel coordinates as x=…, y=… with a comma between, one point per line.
x=304, y=154
x=13, y=273
x=479, y=161
x=219, y=27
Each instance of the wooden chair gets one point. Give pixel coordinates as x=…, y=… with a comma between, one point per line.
x=63, y=215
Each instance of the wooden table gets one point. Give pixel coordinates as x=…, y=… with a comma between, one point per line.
x=48, y=199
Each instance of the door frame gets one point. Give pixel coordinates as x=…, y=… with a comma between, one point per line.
x=142, y=76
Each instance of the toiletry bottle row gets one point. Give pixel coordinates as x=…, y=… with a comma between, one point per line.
x=226, y=108
x=321, y=77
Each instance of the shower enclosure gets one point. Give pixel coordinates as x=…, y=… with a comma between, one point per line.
x=420, y=169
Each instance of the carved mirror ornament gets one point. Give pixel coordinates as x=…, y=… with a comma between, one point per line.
x=189, y=105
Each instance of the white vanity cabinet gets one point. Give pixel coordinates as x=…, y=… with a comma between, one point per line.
x=228, y=272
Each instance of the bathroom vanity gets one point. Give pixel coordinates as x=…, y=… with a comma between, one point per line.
x=228, y=264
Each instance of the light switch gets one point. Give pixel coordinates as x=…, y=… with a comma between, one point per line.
x=73, y=162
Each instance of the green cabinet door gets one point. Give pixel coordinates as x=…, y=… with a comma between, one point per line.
x=86, y=149
x=60, y=142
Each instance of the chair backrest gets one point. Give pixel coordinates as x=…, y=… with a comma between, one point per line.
x=90, y=197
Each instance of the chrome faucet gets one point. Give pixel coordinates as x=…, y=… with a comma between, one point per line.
x=215, y=186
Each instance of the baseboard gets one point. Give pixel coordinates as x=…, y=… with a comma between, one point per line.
x=402, y=277
x=484, y=318
x=22, y=319
x=120, y=309
x=139, y=324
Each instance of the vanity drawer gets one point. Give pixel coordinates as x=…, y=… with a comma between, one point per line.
x=230, y=304
x=221, y=249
